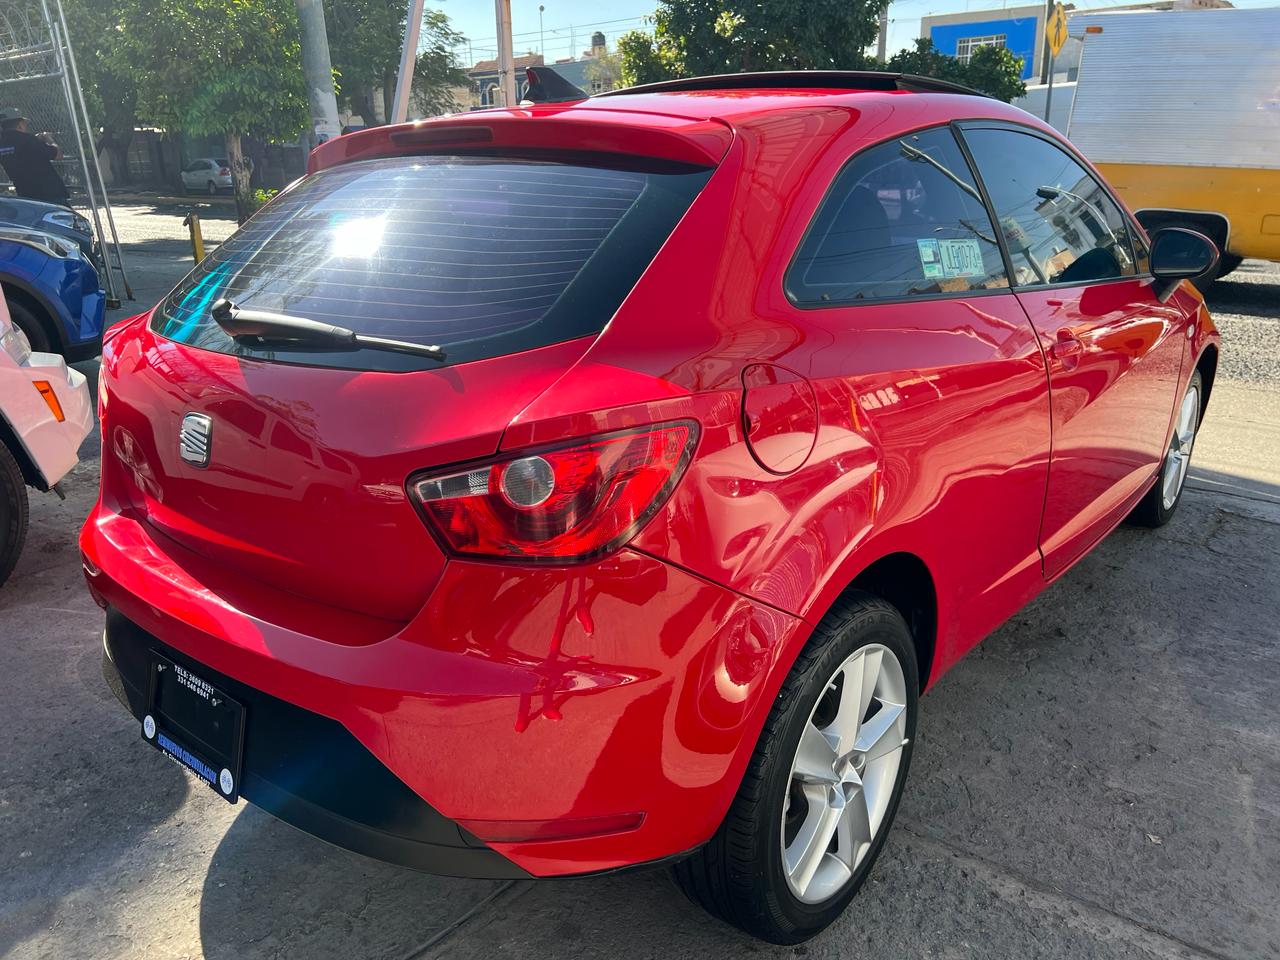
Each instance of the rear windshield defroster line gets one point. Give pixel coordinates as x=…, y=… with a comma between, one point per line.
x=484, y=256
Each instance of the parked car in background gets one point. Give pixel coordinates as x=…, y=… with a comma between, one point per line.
x=501, y=508
x=50, y=218
x=53, y=292
x=45, y=413
x=206, y=175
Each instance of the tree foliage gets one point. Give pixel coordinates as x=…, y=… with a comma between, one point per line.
x=696, y=37
x=993, y=70
x=364, y=45
x=606, y=71
x=110, y=90
x=229, y=67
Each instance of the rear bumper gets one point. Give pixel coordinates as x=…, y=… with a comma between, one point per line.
x=522, y=706
x=300, y=766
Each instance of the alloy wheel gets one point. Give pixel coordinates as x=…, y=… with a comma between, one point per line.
x=843, y=773
x=1178, y=458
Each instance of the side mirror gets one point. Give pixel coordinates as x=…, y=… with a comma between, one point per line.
x=1179, y=254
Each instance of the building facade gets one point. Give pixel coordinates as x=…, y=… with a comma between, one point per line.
x=595, y=71
x=1021, y=30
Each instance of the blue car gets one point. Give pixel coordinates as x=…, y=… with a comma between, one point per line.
x=53, y=292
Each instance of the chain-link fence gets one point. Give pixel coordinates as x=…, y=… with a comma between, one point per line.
x=38, y=77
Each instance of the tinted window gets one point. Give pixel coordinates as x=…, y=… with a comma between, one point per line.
x=903, y=219
x=1060, y=225
x=481, y=255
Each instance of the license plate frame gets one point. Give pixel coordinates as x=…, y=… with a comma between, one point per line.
x=195, y=724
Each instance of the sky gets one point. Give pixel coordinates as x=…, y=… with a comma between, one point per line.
x=567, y=25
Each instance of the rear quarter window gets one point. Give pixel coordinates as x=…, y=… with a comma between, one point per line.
x=903, y=219
x=483, y=256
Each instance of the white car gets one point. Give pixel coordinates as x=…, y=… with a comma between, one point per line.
x=206, y=175
x=45, y=413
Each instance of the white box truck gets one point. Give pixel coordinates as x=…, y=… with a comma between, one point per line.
x=1181, y=112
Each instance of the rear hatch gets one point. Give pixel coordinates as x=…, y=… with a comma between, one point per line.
x=511, y=264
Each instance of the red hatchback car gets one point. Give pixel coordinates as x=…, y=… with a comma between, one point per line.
x=551, y=490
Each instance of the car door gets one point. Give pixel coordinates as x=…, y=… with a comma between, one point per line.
x=1113, y=350
x=190, y=174
x=902, y=269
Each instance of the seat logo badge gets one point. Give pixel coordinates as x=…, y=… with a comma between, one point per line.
x=195, y=439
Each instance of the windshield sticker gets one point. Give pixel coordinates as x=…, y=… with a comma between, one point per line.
x=951, y=258
x=930, y=257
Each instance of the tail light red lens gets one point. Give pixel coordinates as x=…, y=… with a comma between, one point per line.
x=566, y=504
x=224, y=172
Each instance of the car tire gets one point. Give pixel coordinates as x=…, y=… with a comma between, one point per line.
x=13, y=512
x=29, y=323
x=754, y=873
x=1161, y=501
x=213, y=189
x=1228, y=263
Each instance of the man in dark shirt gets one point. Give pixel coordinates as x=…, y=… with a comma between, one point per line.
x=26, y=158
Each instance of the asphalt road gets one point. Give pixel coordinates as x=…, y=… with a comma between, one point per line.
x=1100, y=778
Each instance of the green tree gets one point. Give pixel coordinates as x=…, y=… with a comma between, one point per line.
x=992, y=70
x=437, y=75
x=695, y=37
x=605, y=71
x=364, y=44
x=996, y=72
x=110, y=91
x=228, y=67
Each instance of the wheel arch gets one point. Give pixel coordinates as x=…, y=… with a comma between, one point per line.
x=31, y=474
x=1216, y=226
x=1207, y=366
x=18, y=290
x=905, y=581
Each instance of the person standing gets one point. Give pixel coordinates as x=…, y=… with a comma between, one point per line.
x=28, y=159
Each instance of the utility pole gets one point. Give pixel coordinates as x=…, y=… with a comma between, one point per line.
x=506, y=61
x=542, y=40
x=882, y=40
x=318, y=72
x=1044, y=45
x=408, y=57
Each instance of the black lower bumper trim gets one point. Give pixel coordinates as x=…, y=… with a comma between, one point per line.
x=310, y=772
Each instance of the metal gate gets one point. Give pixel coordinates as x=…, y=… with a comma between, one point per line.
x=38, y=75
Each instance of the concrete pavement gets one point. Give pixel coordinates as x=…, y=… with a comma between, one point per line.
x=1100, y=778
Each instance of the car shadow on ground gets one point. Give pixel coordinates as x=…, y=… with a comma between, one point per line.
x=1052, y=804
x=88, y=791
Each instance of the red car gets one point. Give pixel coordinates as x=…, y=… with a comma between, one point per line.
x=546, y=491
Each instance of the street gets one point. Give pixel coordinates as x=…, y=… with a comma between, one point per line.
x=1099, y=778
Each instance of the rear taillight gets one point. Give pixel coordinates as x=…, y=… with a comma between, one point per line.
x=224, y=172
x=559, y=505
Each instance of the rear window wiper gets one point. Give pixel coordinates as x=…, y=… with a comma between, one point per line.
x=259, y=327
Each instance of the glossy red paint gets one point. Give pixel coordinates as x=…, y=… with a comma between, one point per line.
x=948, y=430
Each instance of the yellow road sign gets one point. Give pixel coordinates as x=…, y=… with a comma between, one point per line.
x=1055, y=30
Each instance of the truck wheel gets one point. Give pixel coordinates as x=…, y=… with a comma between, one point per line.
x=30, y=324
x=13, y=512
x=1228, y=263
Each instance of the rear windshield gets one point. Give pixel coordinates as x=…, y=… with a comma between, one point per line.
x=481, y=255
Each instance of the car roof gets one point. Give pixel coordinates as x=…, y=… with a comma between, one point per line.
x=701, y=111
x=730, y=97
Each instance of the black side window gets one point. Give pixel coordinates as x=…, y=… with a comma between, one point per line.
x=1059, y=224
x=903, y=219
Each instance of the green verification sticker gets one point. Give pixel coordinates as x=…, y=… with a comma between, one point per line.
x=950, y=258
x=930, y=257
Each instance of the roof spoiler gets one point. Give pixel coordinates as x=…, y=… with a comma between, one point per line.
x=547, y=86
x=804, y=79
